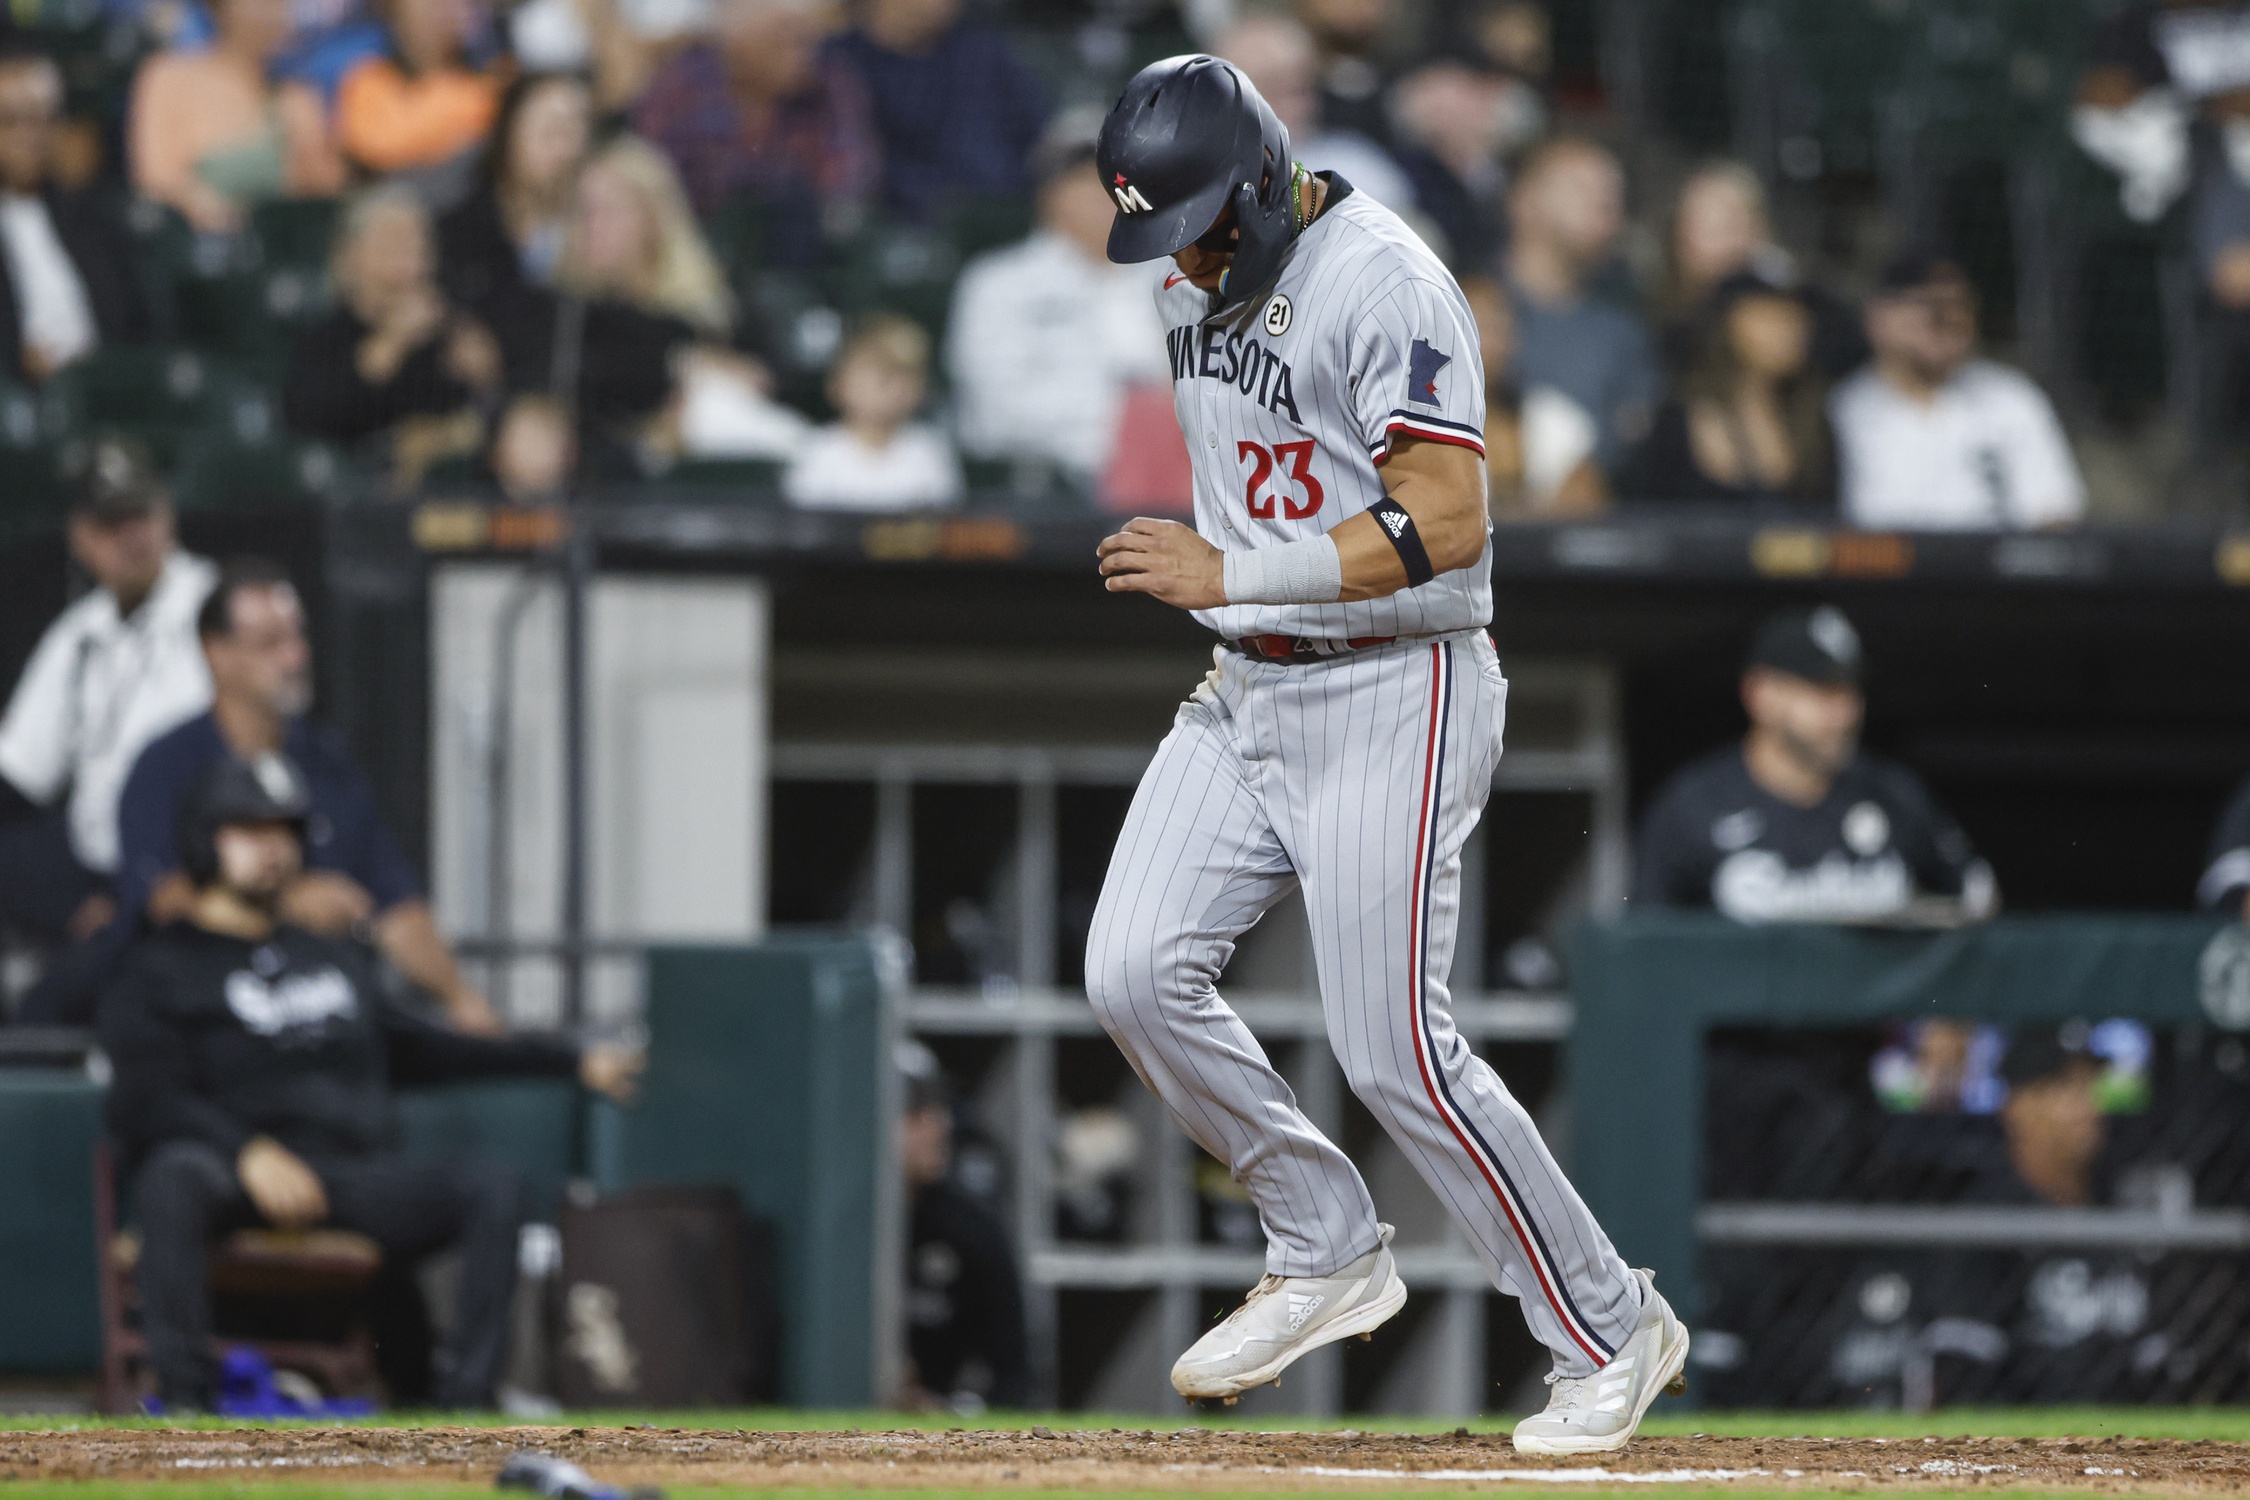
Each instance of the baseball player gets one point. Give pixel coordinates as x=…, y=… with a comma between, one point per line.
x=1326, y=374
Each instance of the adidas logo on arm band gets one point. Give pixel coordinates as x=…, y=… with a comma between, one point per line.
x=1399, y=527
x=1306, y=572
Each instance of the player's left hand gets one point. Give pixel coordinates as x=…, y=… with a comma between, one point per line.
x=1166, y=559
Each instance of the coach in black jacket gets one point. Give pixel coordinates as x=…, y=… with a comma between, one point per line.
x=253, y=1071
x=96, y=251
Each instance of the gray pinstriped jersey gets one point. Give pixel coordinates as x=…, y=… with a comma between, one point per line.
x=1290, y=406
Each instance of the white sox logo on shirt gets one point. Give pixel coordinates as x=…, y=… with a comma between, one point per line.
x=290, y=1003
x=1129, y=199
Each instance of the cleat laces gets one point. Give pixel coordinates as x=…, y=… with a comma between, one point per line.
x=1569, y=1394
x=1267, y=1285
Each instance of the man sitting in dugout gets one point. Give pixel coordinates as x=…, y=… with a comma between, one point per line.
x=254, y=1063
x=1797, y=823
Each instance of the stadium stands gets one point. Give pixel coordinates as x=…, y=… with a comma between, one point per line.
x=1944, y=123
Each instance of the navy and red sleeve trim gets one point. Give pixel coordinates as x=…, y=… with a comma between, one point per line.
x=1435, y=429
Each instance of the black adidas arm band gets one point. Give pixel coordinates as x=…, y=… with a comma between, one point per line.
x=1398, y=526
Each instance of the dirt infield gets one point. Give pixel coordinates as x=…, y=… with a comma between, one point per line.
x=1119, y=1460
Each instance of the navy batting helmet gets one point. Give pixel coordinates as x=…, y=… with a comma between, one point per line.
x=266, y=790
x=1183, y=137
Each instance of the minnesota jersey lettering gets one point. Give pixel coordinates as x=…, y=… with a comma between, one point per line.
x=1214, y=353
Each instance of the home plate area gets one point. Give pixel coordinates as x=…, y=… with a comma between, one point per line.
x=1119, y=1459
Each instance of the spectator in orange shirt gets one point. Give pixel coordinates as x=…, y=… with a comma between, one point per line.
x=422, y=106
x=210, y=135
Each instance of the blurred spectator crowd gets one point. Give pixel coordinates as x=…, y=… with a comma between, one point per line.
x=852, y=252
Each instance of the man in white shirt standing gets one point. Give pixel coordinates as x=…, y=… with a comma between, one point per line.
x=1932, y=438
x=116, y=669
x=68, y=279
x=1046, y=335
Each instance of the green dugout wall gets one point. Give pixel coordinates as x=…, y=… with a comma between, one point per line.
x=49, y=1320
x=1648, y=988
x=769, y=1069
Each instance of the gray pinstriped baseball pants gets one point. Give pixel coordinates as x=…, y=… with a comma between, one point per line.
x=1357, y=778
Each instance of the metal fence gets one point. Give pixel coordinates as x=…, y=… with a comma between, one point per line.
x=1944, y=1212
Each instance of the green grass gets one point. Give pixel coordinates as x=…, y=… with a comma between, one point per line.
x=2228, y=1424
x=290, y=1489
x=257, y=1489
x=2225, y=1424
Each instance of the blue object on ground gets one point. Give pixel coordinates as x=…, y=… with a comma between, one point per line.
x=246, y=1389
x=559, y=1479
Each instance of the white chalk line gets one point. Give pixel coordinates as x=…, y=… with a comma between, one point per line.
x=1545, y=1476
x=336, y=1462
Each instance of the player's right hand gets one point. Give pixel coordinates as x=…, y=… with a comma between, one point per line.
x=1166, y=559
x=325, y=902
x=285, y=1190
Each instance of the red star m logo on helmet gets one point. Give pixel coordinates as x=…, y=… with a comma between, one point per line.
x=1129, y=199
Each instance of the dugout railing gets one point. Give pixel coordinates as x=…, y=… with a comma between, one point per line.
x=988, y=856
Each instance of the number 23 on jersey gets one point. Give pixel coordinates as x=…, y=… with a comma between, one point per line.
x=1295, y=488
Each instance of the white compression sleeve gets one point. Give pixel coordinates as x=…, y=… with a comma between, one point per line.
x=1305, y=572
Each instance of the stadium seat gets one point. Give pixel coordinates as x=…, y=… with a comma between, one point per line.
x=167, y=248
x=705, y=480
x=458, y=475
x=295, y=232
x=1018, y=481
x=222, y=472
x=901, y=268
x=243, y=298
x=1051, y=54
x=250, y=318
x=737, y=234
x=795, y=329
x=33, y=492
x=96, y=53
x=976, y=225
x=169, y=397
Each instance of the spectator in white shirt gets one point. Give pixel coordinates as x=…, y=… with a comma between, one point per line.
x=116, y=669
x=68, y=279
x=876, y=457
x=1931, y=438
x=1047, y=335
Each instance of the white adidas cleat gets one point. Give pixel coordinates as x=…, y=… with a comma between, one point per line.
x=1286, y=1317
x=1599, y=1413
